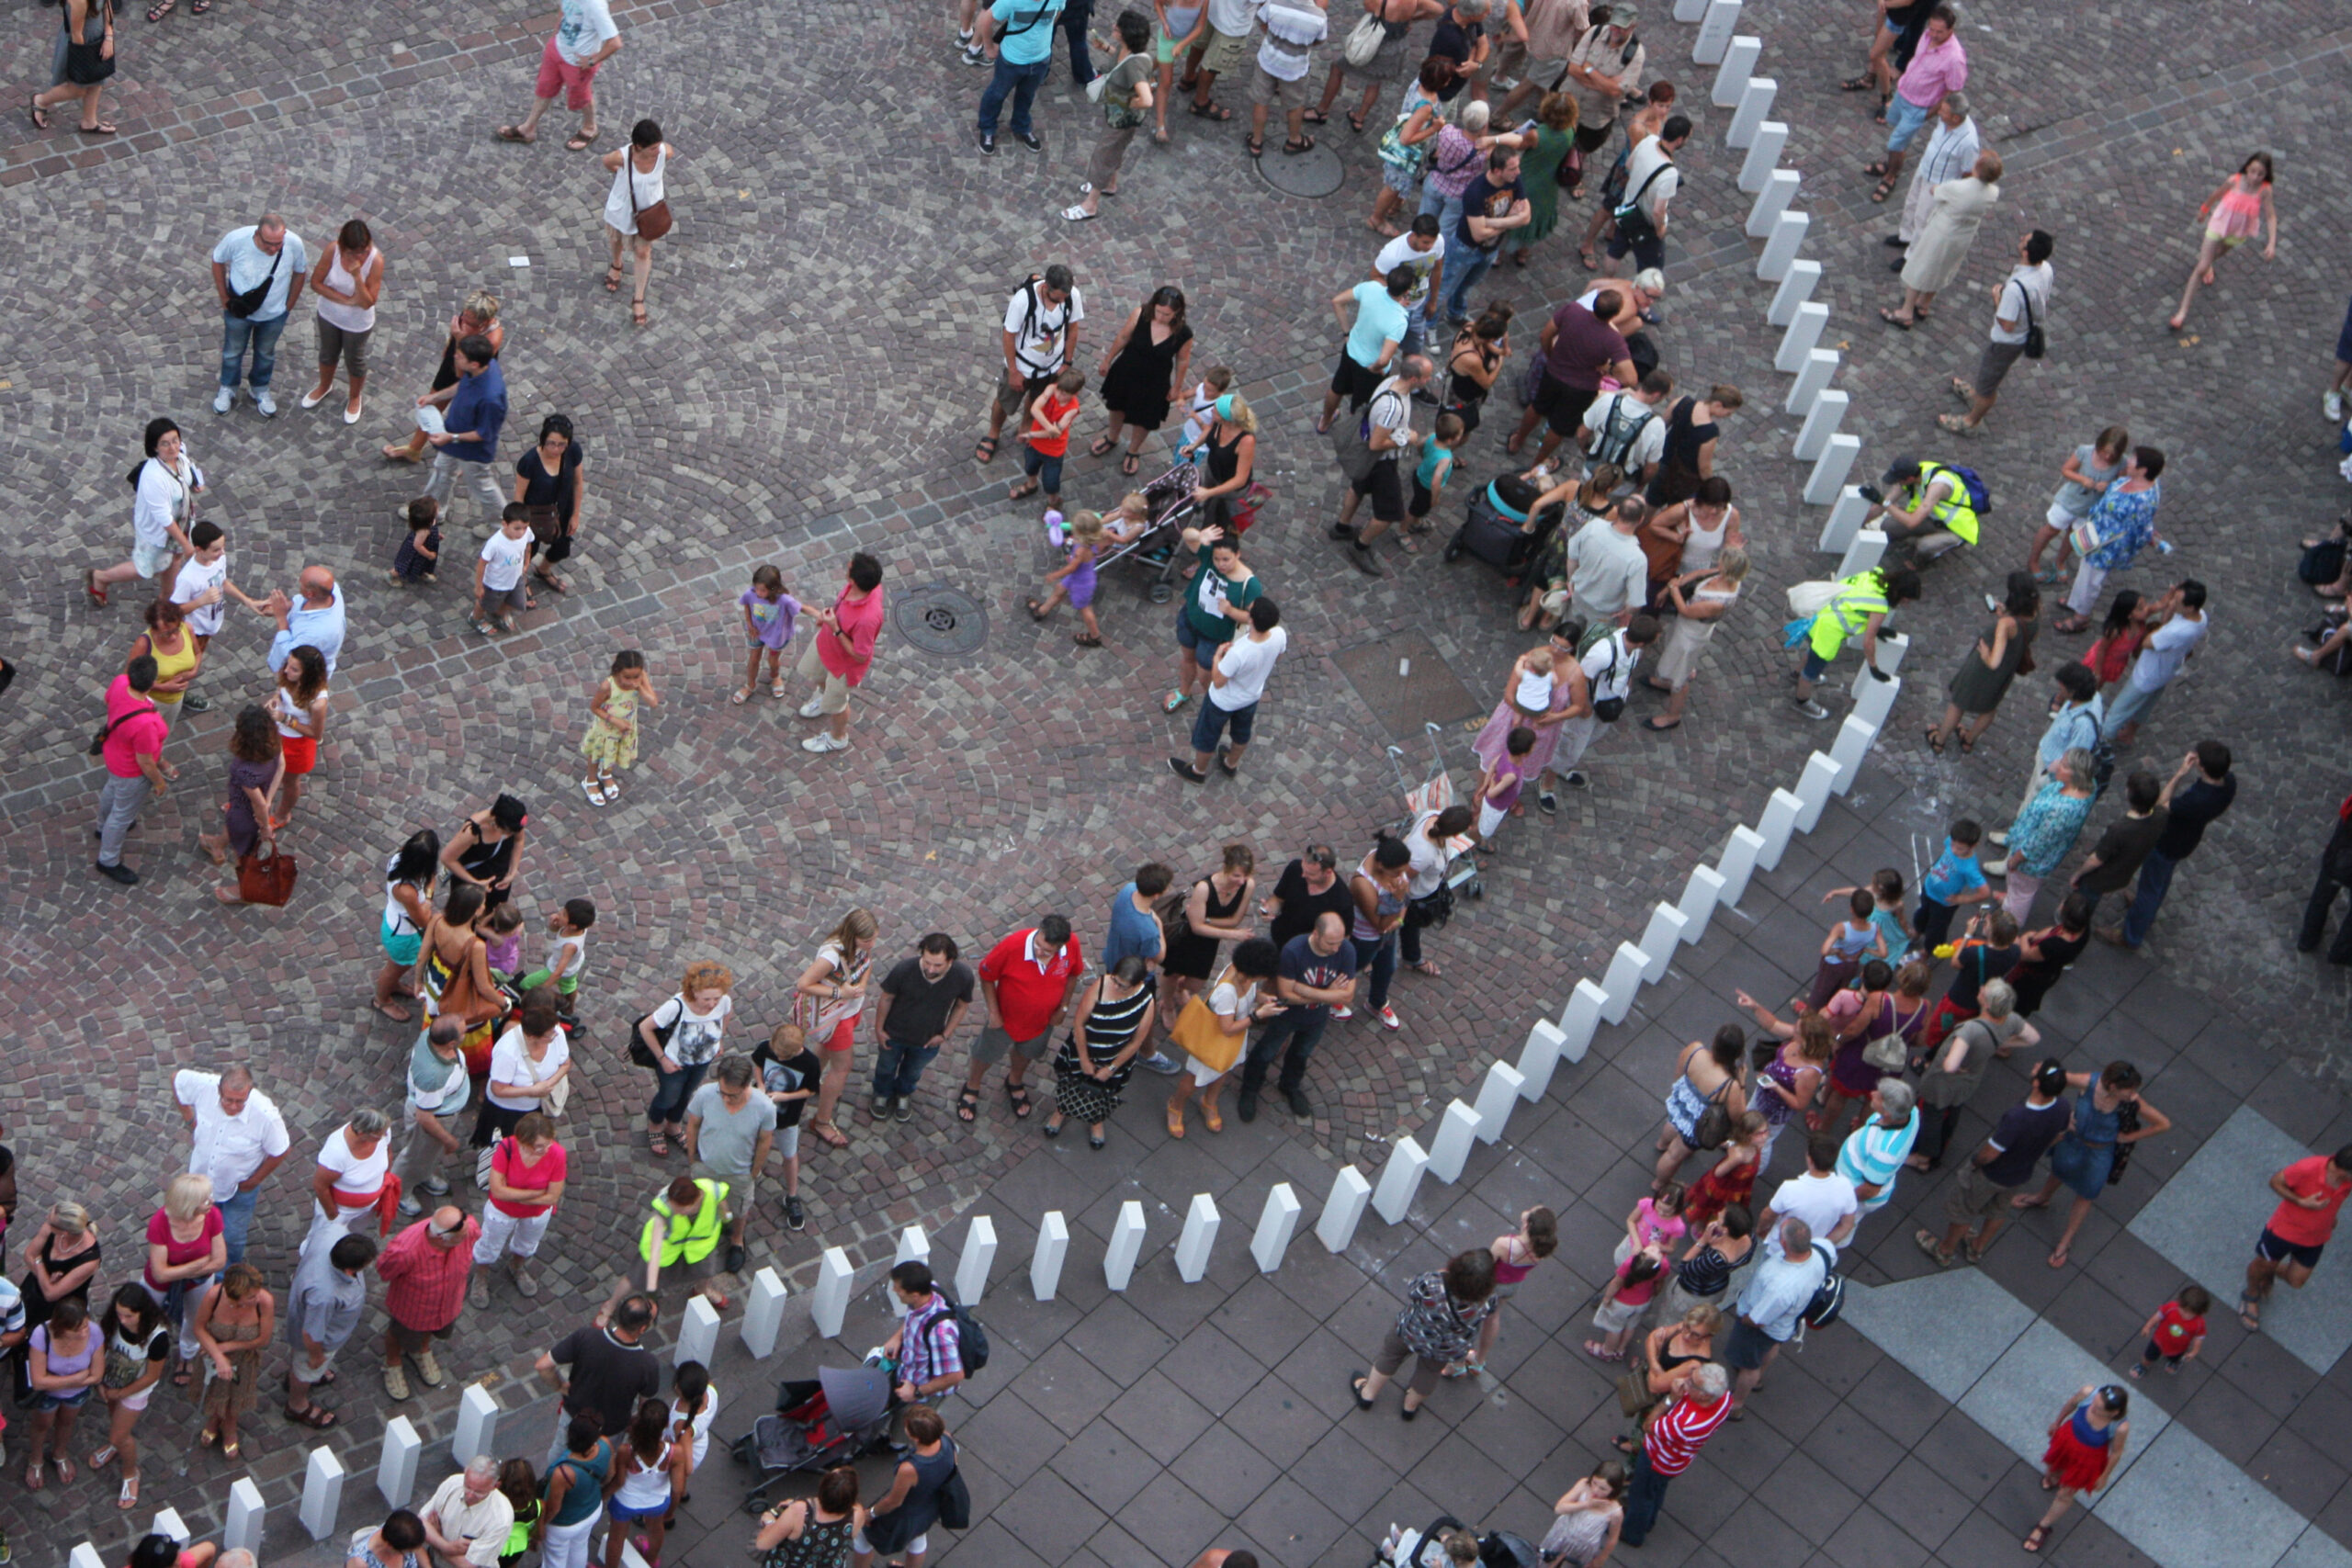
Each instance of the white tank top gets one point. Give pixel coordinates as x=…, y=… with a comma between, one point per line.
x=643, y=1488
x=396, y=918
x=350, y=318
x=1705, y=547
x=617, y=211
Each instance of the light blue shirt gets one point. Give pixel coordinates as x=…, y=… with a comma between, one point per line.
x=2070, y=726
x=1379, y=320
x=1029, y=39
x=248, y=264
x=1133, y=931
x=1778, y=1290
x=322, y=629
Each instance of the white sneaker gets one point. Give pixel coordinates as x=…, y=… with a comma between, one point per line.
x=2333, y=404
x=828, y=741
x=312, y=400
x=223, y=398
x=1341, y=1015
x=813, y=708
x=268, y=404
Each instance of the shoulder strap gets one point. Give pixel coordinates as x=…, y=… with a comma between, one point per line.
x=1664, y=164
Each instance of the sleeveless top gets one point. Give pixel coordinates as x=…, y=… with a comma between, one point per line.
x=486, y=859
x=1112, y=1025
x=1188, y=951
x=1462, y=393
x=1668, y=1361
x=396, y=918
x=1576, y=1537
x=1849, y=946
x=645, y=1486
x=168, y=665
x=619, y=209
x=821, y=1544
x=1224, y=461
x=1387, y=904
x=585, y=1499
x=350, y=318
x=1776, y=1111
x=2089, y=1436
x=1684, y=1104
x=1507, y=1272
x=921, y=1502
x=1702, y=547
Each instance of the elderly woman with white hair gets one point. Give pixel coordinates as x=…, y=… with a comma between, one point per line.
x=186, y=1245
x=1457, y=157
x=348, y=1182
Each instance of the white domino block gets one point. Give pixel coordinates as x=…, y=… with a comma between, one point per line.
x=1853, y=744
x=1399, y=1179
x=1715, y=30
x=914, y=1246
x=1812, y=790
x=1780, y=820
x=1755, y=103
x=247, y=1513
x=1795, y=291
x=1497, y=1091
x=697, y=1333
x=1892, y=647
x=1580, y=1018
x=1689, y=11
x=1780, y=246
x=830, y=1305
x=1737, y=863
x=1277, y=1223
x=1763, y=155
x=1456, y=1131
x=1343, y=1209
x=475, y=1433
x=396, y=1471
x=1127, y=1245
x=1538, y=1057
x=1624, y=978
x=168, y=1522
x=979, y=1257
x=84, y=1556
x=1201, y=1225
x=1828, y=412
x=322, y=1493
x=1772, y=199
x=1735, y=69
x=764, y=1312
x=1813, y=380
x=1700, y=893
x=1863, y=551
x=1876, y=700
x=1659, y=939
x=1845, y=515
x=1046, y=1263
x=1829, y=470
x=1797, y=343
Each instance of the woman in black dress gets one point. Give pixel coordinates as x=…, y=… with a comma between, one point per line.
x=2044, y=956
x=1231, y=439
x=1141, y=372
x=1211, y=913
x=1098, y=1056
x=1986, y=670
x=548, y=480
x=1474, y=362
x=487, y=850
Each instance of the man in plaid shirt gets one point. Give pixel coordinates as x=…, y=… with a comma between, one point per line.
x=928, y=1343
x=424, y=1271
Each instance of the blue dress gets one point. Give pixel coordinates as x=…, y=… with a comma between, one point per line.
x=2083, y=1158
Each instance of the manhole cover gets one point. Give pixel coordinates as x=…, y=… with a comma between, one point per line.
x=939, y=620
x=1314, y=173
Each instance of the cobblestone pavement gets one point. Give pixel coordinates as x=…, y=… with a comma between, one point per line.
x=843, y=251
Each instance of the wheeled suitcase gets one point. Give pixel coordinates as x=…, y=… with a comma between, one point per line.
x=1493, y=530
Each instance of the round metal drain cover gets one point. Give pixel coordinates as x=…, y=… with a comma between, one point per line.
x=1314, y=173
x=939, y=620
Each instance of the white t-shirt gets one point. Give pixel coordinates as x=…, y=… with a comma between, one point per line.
x=1614, y=413
x=701, y=1425
x=1399, y=252
x=1233, y=18
x=1292, y=32
x=586, y=25
x=1639, y=165
x=510, y=1063
x=829, y=1013
x=505, y=556
x=1426, y=871
x=697, y=1035
x=196, y=579
x=1608, y=666
x=2166, y=650
x=1041, y=335
x=1247, y=662
x=354, y=1175
x=2035, y=283
x=1822, y=1202
x=162, y=499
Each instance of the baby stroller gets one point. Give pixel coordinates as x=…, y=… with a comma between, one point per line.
x=1435, y=792
x=821, y=1422
x=1425, y=1548
x=1497, y=528
x=1172, y=510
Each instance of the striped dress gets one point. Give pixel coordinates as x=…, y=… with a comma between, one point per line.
x=1110, y=1029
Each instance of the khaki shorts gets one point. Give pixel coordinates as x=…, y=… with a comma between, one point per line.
x=834, y=697
x=1009, y=405
x=741, y=1191
x=1226, y=53
x=994, y=1043
x=1271, y=90
x=1972, y=1198
x=306, y=1373
x=412, y=1341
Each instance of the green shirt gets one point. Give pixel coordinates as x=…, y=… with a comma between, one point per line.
x=1205, y=603
x=1119, y=92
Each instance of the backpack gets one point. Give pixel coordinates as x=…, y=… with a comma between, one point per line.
x=2102, y=758
x=1608, y=710
x=1713, y=1130
x=1633, y=224
x=971, y=1339
x=1980, y=500
x=1611, y=445
x=1829, y=1298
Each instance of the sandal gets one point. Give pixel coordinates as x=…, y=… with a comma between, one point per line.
x=1935, y=740
x=1017, y=1095
x=612, y=281
x=595, y=792
x=2250, y=1312
x=1958, y=424
x=1210, y=1115
x=1102, y=445
x=967, y=1105
x=39, y=116
x=1967, y=744
x=740, y=698
x=1255, y=146
x=1175, y=1121
x=553, y=583
x=231, y=1450
x=1882, y=190
x=97, y=590
x=1355, y=1386
x=636, y=311
x=1023, y=490
x=775, y=690
x=984, y=450
x=1427, y=967
x=35, y=1477
x=1861, y=84
x=1355, y=122
x=1211, y=110
x=658, y=1145
x=1314, y=117
x=1877, y=168
x=128, y=1497
x=157, y=13
x=1130, y=464
x=1085, y=639
x=318, y=1418
x=832, y=1137
x=394, y=1011
x=2038, y=1539
x=1585, y=259
x=1900, y=323
x=581, y=141
x=1660, y=726
x=515, y=134
x=1304, y=144
x=66, y=1469
x=103, y=1457
x=1173, y=701
x=1036, y=611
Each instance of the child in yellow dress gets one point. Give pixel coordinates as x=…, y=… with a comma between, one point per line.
x=611, y=741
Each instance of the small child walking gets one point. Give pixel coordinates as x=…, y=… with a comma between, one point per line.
x=1430, y=476
x=1048, y=438
x=1074, y=579
x=2175, y=1331
x=567, y=954
x=1499, y=786
x=769, y=612
x=1626, y=1297
x=420, y=551
x=1515, y=1255
x=498, y=576
x=610, y=742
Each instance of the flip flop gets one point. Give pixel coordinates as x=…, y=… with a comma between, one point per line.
x=1934, y=738
x=580, y=141
x=1036, y=611
x=1077, y=215
x=39, y=115
x=1103, y=444
x=514, y=133
x=317, y=1416
x=740, y=698
x=1131, y=463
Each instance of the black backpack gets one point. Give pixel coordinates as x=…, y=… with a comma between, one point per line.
x=2102, y=757
x=1829, y=1300
x=971, y=1339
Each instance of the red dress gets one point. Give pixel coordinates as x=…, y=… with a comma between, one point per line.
x=1713, y=1192
x=2078, y=1452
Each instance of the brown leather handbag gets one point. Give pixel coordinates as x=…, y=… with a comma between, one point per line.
x=653, y=221
x=266, y=879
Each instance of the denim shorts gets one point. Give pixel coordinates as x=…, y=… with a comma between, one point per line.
x=1188, y=637
x=1048, y=470
x=1903, y=119
x=1214, y=720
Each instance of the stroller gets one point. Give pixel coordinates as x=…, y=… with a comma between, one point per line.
x=1425, y=1548
x=1497, y=529
x=820, y=1423
x=1435, y=792
x=1172, y=509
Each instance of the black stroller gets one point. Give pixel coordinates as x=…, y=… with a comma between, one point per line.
x=1425, y=1548
x=1497, y=529
x=819, y=1422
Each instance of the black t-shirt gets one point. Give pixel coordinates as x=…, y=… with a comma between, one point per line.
x=607, y=1377
x=1484, y=198
x=2023, y=1134
x=1301, y=908
x=2121, y=849
x=785, y=1074
x=2193, y=810
x=557, y=490
x=1453, y=40
x=1976, y=966
x=918, y=1008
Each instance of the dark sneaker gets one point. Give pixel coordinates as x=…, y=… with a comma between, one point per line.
x=1228, y=769
x=117, y=873
x=880, y=1109
x=794, y=1215
x=1300, y=1106
x=1361, y=557
x=987, y=141
x=1247, y=1108
x=1575, y=778
x=1186, y=770
x=194, y=704
x=1030, y=139
x=906, y=1111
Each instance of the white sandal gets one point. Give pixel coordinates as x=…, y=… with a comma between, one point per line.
x=594, y=791
x=1077, y=215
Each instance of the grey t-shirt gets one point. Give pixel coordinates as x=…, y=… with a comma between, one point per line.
x=727, y=1138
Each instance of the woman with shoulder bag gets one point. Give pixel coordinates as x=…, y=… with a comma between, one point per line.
x=548, y=480
x=1405, y=147
x=637, y=212
x=1710, y=1089
x=453, y=972
x=1664, y=1350
x=828, y=1000
x=679, y=1040
x=1214, y=1031
x=80, y=65
x=1430, y=901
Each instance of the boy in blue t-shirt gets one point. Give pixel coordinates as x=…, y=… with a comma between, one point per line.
x=1955, y=879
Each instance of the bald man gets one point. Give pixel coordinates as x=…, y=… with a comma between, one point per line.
x=314, y=619
x=1317, y=974
x=424, y=1271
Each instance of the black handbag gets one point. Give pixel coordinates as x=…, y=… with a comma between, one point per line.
x=87, y=65
x=106, y=731
x=244, y=304
x=639, y=1051
x=2036, y=344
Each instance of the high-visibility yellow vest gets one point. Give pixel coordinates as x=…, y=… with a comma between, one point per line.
x=1849, y=611
x=698, y=1239
x=1955, y=514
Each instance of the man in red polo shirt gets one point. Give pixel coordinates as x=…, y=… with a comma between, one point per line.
x=841, y=650
x=2310, y=1194
x=424, y=1271
x=134, y=753
x=1671, y=1439
x=1027, y=980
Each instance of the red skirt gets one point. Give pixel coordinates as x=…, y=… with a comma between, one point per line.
x=302, y=753
x=1711, y=1193
x=2075, y=1463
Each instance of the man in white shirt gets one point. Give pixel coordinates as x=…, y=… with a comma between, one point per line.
x=1608, y=660
x=1236, y=683
x=2021, y=303
x=582, y=40
x=1625, y=428
x=258, y=272
x=1040, y=336
x=1822, y=1198
x=237, y=1138
x=1422, y=249
x=1950, y=155
x=1369, y=455
x=2178, y=623
x=1651, y=180
x=468, y=1520
x=1292, y=29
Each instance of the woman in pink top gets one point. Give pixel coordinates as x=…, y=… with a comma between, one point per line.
x=843, y=650
x=186, y=1247
x=1515, y=1255
x=2233, y=215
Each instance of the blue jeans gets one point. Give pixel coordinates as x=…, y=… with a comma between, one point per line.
x=2155, y=881
x=1293, y=1037
x=1464, y=268
x=671, y=1092
x=1448, y=209
x=1075, y=17
x=1380, y=957
x=236, y=331
x=898, y=1066
x=237, y=1221
x=1021, y=81
x=1645, y=1494
x=1416, y=328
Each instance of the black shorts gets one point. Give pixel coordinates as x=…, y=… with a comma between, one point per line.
x=1420, y=506
x=2276, y=1249
x=1354, y=382
x=1747, y=1346
x=1386, y=491
x=1648, y=252
x=1561, y=405
x=1591, y=139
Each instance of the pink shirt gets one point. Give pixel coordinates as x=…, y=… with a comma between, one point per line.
x=133, y=737
x=1935, y=70
x=850, y=651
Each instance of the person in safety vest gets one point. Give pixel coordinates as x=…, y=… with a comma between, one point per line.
x=1860, y=607
x=1926, y=511
x=683, y=1233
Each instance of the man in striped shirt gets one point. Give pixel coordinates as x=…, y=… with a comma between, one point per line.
x=1671, y=1439
x=1872, y=1155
